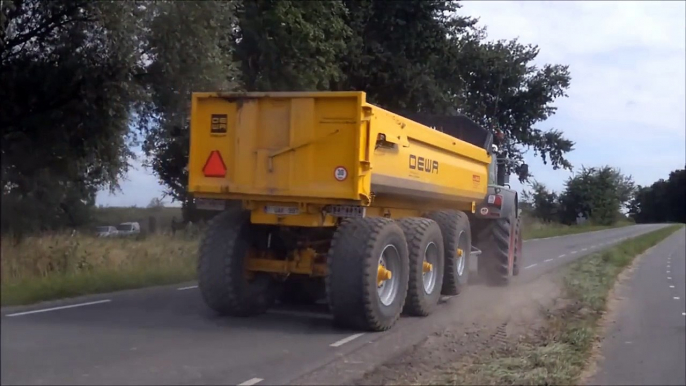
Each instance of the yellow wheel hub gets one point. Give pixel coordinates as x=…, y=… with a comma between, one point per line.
x=382, y=275
x=427, y=267
x=460, y=252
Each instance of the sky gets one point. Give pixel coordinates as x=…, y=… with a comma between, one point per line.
x=626, y=106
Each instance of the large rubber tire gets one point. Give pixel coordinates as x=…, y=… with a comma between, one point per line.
x=425, y=243
x=495, y=263
x=518, y=247
x=457, y=234
x=353, y=262
x=222, y=279
x=302, y=291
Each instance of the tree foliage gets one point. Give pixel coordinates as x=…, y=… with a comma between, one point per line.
x=78, y=75
x=544, y=203
x=187, y=49
x=502, y=89
x=66, y=71
x=290, y=45
x=596, y=193
x=663, y=201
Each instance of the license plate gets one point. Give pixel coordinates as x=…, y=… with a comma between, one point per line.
x=346, y=211
x=210, y=204
x=281, y=210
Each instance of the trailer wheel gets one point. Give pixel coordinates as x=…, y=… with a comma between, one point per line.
x=224, y=285
x=361, y=293
x=496, y=264
x=457, y=244
x=427, y=258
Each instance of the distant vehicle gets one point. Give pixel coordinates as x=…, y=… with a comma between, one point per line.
x=106, y=231
x=128, y=228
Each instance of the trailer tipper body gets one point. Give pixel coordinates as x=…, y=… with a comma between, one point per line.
x=343, y=200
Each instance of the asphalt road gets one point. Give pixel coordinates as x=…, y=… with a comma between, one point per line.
x=646, y=344
x=167, y=336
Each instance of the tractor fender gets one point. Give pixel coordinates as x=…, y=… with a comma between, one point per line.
x=509, y=207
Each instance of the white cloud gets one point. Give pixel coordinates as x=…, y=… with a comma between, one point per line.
x=627, y=99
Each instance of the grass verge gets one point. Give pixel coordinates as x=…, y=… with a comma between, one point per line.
x=558, y=352
x=60, y=266
x=538, y=230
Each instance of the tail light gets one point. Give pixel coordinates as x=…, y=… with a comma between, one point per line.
x=495, y=200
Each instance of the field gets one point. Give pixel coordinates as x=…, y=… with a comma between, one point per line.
x=535, y=229
x=62, y=265
x=163, y=216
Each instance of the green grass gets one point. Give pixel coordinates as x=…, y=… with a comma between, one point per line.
x=558, y=353
x=534, y=229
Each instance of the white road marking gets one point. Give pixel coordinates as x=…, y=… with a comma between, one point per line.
x=572, y=252
x=251, y=382
x=683, y=314
x=562, y=255
x=186, y=288
x=60, y=308
x=676, y=298
x=346, y=340
x=545, y=261
x=669, y=278
x=671, y=286
x=583, y=249
x=530, y=266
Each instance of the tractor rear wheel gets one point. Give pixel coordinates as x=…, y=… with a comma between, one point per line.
x=225, y=285
x=368, y=275
x=518, y=247
x=498, y=240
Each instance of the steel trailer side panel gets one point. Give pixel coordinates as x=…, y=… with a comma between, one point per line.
x=279, y=144
x=425, y=164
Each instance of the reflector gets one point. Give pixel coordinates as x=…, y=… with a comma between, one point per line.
x=214, y=167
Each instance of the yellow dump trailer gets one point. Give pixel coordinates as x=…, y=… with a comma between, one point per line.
x=340, y=199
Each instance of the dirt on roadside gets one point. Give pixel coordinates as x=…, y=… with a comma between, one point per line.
x=498, y=317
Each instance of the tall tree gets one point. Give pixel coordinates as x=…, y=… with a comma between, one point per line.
x=500, y=88
x=663, y=201
x=288, y=45
x=423, y=56
x=188, y=48
x=597, y=194
x=402, y=55
x=66, y=69
x=544, y=203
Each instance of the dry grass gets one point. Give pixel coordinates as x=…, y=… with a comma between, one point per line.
x=559, y=352
x=60, y=266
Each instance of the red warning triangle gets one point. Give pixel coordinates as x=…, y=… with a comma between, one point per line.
x=214, y=167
